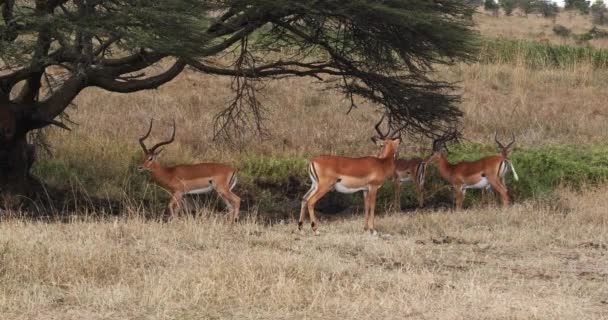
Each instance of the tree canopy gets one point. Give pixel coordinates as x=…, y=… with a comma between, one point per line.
x=380, y=50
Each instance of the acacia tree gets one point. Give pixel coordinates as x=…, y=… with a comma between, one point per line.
x=380, y=50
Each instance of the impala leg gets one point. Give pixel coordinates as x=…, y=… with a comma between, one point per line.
x=304, y=205
x=497, y=185
x=174, y=204
x=459, y=196
x=365, y=209
x=397, y=187
x=233, y=202
x=373, y=192
x=322, y=189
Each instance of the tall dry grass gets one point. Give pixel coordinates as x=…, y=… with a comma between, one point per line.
x=532, y=261
x=536, y=28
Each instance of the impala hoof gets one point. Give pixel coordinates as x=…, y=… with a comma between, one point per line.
x=317, y=233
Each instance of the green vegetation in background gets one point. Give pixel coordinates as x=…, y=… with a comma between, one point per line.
x=539, y=55
x=276, y=183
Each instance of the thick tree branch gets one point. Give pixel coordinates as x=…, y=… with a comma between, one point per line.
x=280, y=68
x=153, y=82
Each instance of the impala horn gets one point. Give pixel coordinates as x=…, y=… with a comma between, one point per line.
x=144, y=137
x=160, y=144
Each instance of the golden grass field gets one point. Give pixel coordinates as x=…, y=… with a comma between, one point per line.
x=531, y=261
x=540, y=259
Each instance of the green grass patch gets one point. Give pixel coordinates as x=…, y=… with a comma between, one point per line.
x=539, y=55
x=275, y=183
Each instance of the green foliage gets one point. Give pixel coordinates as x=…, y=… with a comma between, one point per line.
x=599, y=12
x=580, y=5
x=508, y=6
x=492, y=6
x=537, y=55
x=528, y=6
x=274, y=184
x=548, y=8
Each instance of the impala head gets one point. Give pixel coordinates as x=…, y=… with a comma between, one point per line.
x=439, y=147
x=391, y=138
x=151, y=155
x=504, y=150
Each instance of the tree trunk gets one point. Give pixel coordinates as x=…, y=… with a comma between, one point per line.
x=16, y=159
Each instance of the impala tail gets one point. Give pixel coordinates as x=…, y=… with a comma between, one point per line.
x=421, y=172
x=515, y=176
x=233, y=180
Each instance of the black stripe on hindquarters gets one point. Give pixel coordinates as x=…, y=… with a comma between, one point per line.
x=420, y=172
x=501, y=167
x=313, y=171
x=231, y=182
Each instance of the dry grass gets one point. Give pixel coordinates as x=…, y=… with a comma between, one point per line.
x=536, y=28
x=531, y=261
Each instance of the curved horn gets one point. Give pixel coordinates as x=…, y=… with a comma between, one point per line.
x=141, y=139
x=377, y=127
x=512, y=141
x=153, y=149
x=496, y=140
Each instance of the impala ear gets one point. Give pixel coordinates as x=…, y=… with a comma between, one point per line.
x=156, y=153
x=374, y=140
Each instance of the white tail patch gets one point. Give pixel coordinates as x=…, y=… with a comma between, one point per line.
x=515, y=176
x=233, y=181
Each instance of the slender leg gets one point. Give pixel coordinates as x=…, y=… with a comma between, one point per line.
x=304, y=205
x=322, y=189
x=233, y=202
x=397, y=188
x=501, y=189
x=373, y=191
x=174, y=204
x=459, y=195
x=365, y=209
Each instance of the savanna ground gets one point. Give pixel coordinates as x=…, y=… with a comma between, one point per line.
x=545, y=257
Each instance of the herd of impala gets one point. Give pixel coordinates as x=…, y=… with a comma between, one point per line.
x=342, y=174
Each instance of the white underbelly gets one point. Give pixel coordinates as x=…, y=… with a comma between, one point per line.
x=199, y=191
x=483, y=183
x=343, y=189
x=406, y=179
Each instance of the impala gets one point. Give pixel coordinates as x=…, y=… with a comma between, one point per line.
x=413, y=170
x=190, y=178
x=481, y=174
x=349, y=175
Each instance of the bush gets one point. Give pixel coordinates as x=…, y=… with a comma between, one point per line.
x=597, y=33
x=561, y=31
x=492, y=6
x=598, y=12
x=548, y=8
x=508, y=6
x=580, y=5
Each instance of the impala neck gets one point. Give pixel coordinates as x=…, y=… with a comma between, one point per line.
x=444, y=167
x=159, y=173
x=388, y=152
